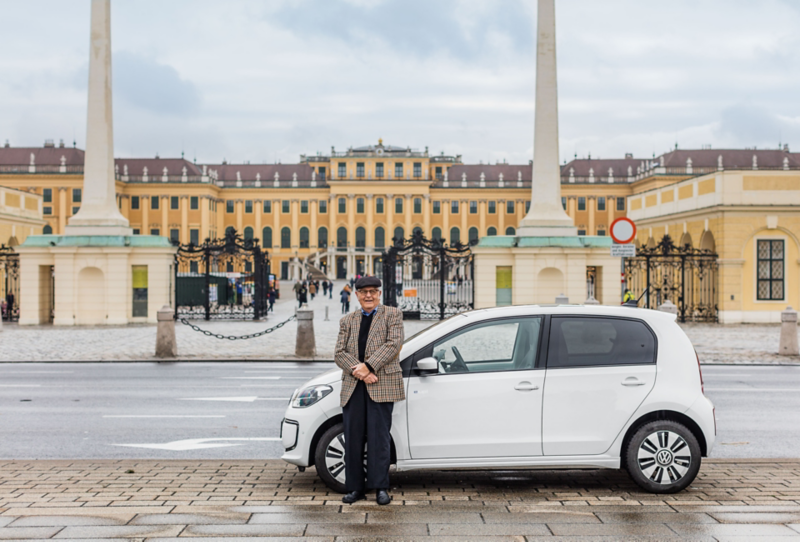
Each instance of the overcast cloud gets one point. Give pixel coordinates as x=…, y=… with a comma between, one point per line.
x=270, y=80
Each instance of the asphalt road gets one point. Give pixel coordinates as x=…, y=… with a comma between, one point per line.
x=233, y=410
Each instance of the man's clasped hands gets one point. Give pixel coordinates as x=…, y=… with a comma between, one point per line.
x=362, y=372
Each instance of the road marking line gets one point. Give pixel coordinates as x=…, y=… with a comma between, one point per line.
x=249, y=399
x=197, y=443
x=20, y=385
x=160, y=416
x=251, y=378
x=36, y=372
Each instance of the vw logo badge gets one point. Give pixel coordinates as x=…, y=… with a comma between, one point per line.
x=664, y=457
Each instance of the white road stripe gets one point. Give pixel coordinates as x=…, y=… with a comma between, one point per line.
x=251, y=377
x=249, y=399
x=36, y=372
x=159, y=416
x=20, y=386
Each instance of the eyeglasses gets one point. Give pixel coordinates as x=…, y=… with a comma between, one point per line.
x=368, y=293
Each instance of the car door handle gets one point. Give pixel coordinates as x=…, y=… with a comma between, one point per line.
x=525, y=386
x=632, y=381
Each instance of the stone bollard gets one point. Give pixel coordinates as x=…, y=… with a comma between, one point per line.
x=326, y=312
x=166, y=345
x=788, y=346
x=591, y=301
x=668, y=306
x=561, y=299
x=306, y=346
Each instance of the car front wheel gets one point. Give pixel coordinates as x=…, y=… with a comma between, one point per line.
x=663, y=457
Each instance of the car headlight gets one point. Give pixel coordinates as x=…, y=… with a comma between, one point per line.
x=310, y=396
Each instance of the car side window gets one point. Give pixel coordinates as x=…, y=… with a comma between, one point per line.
x=586, y=342
x=498, y=345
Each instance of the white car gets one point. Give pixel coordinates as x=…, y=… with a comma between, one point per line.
x=531, y=387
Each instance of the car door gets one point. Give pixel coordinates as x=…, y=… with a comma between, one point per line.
x=487, y=406
x=599, y=370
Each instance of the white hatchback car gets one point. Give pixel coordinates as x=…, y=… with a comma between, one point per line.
x=531, y=387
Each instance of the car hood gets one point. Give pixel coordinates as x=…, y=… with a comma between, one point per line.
x=328, y=377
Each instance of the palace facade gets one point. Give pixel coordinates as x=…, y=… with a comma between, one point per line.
x=339, y=211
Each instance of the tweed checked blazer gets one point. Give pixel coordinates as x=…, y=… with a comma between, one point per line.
x=383, y=354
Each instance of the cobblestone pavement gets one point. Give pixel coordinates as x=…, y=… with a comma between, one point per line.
x=162, y=500
x=715, y=343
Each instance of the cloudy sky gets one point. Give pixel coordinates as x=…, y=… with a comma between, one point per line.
x=272, y=79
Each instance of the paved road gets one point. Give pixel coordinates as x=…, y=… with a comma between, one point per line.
x=232, y=410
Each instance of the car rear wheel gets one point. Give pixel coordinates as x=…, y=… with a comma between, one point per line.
x=329, y=458
x=663, y=457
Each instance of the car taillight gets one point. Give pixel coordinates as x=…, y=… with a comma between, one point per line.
x=699, y=370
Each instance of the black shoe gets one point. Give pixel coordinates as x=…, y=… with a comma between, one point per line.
x=353, y=496
x=382, y=497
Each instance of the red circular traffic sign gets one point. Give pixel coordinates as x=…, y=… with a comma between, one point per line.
x=623, y=230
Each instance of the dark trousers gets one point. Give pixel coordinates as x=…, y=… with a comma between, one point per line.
x=366, y=420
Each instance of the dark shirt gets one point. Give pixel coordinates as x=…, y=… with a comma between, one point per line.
x=363, y=333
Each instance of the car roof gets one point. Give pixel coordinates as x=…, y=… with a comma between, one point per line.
x=648, y=315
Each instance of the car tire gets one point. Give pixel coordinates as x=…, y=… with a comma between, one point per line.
x=663, y=457
x=329, y=458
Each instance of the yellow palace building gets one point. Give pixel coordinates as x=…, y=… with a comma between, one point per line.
x=338, y=212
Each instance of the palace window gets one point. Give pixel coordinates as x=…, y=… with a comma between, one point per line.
x=361, y=237
x=248, y=206
x=174, y=203
x=194, y=236
x=527, y=206
x=454, y=207
x=620, y=204
x=473, y=235
x=581, y=203
x=322, y=237
x=564, y=203
x=399, y=233
x=342, y=206
x=155, y=231
x=439, y=173
x=398, y=205
x=417, y=205
x=601, y=232
x=492, y=207
x=509, y=207
x=379, y=205
x=379, y=170
x=417, y=169
x=436, y=234
x=286, y=238
x=455, y=236
x=398, y=170
x=175, y=235
x=437, y=207
x=194, y=204
x=342, y=170
x=511, y=231
x=770, y=259
x=303, y=237
x=285, y=207
x=473, y=207
x=341, y=237
x=304, y=207
x=47, y=195
x=154, y=202
x=359, y=169
x=491, y=231
x=322, y=174
x=47, y=210
x=360, y=206
x=76, y=195
x=581, y=232
x=135, y=231
x=323, y=206
x=75, y=210
x=134, y=202
x=266, y=237
x=380, y=237
x=267, y=206
x=601, y=203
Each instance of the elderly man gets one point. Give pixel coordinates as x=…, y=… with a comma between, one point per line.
x=368, y=350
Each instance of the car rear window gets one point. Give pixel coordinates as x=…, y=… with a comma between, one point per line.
x=586, y=342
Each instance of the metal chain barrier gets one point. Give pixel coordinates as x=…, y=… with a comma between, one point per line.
x=236, y=337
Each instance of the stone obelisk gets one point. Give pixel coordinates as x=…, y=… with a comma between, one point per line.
x=546, y=217
x=99, y=214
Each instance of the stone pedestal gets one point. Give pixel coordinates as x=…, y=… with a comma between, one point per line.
x=543, y=268
x=788, y=346
x=95, y=277
x=166, y=344
x=305, y=346
x=668, y=306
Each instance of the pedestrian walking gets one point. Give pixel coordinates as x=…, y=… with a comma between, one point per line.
x=312, y=289
x=296, y=288
x=271, y=295
x=628, y=296
x=302, y=296
x=324, y=288
x=368, y=352
x=345, y=297
x=330, y=290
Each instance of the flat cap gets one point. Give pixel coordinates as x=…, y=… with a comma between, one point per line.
x=368, y=282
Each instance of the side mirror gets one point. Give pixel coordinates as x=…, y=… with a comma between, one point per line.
x=427, y=365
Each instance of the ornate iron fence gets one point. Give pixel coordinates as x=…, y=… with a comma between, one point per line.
x=9, y=273
x=427, y=279
x=684, y=275
x=221, y=279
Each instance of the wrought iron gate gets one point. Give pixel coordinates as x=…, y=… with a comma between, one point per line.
x=9, y=273
x=684, y=275
x=221, y=279
x=427, y=279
